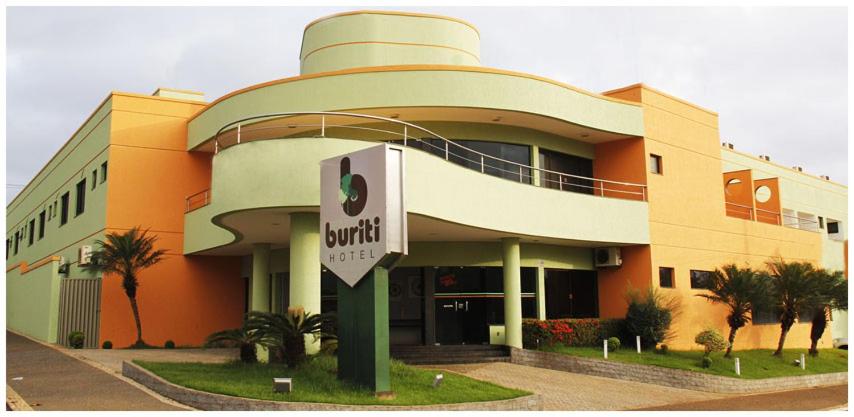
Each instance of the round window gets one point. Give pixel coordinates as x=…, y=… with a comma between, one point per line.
x=763, y=193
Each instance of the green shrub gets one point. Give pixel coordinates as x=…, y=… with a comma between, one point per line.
x=649, y=317
x=76, y=339
x=569, y=332
x=107, y=345
x=707, y=362
x=613, y=343
x=169, y=344
x=711, y=340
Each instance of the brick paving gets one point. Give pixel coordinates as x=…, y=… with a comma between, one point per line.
x=564, y=391
x=822, y=398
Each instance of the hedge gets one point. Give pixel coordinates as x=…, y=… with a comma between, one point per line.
x=570, y=332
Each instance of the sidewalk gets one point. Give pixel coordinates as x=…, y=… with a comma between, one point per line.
x=54, y=381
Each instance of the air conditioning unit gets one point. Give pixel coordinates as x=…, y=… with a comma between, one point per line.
x=607, y=257
x=84, y=255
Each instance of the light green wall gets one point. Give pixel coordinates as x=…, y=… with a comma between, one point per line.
x=395, y=40
x=421, y=88
x=32, y=301
x=526, y=209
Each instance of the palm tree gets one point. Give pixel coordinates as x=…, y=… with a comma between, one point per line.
x=793, y=291
x=127, y=254
x=244, y=337
x=831, y=294
x=741, y=291
x=286, y=332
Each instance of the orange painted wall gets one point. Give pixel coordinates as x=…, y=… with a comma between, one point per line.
x=150, y=174
x=768, y=211
x=689, y=228
x=614, y=283
x=739, y=194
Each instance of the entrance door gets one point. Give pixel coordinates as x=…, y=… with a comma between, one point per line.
x=461, y=321
x=571, y=294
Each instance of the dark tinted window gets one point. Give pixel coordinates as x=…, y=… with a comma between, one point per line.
x=832, y=227
x=32, y=232
x=766, y=316
x=665, y=277
x=567, y=164
x=466, y=153
x=81, y=198
x=700, y=279
x=41, y=224
x=63, y=214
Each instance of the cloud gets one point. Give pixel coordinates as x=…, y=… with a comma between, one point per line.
x=776, y=76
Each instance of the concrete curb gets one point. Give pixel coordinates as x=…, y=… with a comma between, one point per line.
x=107, y=370
x=209, y=401
x=14, y=402
x=676, y=378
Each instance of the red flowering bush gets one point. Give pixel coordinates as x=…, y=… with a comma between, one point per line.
x=569, y=332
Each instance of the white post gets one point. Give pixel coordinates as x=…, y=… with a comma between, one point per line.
x=637, y=342
x=803, y=361
x=605, y=347
x=323, y=126
x=737, y=367
x=238, y=134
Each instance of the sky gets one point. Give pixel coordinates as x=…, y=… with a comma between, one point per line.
x=777, y=77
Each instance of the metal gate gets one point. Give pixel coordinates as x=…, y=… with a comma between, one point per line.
x=79, y=309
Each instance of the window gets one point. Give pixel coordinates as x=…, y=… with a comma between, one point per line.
x=700, y=279
x=63, y=214
x=655, y=165
x=665, y=277
x=94, y=178
x=8, y=244
x=17, y=239
x=820, y=222
x=81, y=198
x=41, y=224
x=832, y=227
x=54, y=208
x=568, y=164
x=49, y=211
x=769, y=315
x=32, y=232
x=104, y=171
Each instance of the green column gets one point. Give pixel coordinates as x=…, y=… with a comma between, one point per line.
x=305, y=267
x=260, y=297
x=541, y=292
x=512, y=291
x=363, y=352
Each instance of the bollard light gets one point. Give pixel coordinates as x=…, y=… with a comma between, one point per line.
x=282, y=385
x=803, y=361
x=637, y=342
x=437, y=380
x=737, y=367
x=605, y=347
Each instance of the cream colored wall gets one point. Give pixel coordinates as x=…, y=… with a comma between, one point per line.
x=376, y=39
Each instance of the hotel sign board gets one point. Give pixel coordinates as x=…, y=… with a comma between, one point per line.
x=362, y=211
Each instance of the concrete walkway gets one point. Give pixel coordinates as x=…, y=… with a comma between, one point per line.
x=49, y=380
x=111, y=359
x=564, y=391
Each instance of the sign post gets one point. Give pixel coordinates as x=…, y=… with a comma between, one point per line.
x=363, y=233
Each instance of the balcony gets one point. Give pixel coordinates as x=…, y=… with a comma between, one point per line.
x=263, y=171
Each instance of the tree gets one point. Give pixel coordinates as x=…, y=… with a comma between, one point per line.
x=244, y=337
x=649, y=316
x=286, y=332
x=793, y=291
x=741, y=291
x=831, y=294
x=127, y=254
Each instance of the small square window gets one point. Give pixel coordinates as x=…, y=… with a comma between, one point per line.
x=665, y=277
x=832, y=227
x=655, y=165
x=700, y=279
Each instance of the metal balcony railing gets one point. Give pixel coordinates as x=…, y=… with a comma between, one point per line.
x=334, y=124
x=768, y=216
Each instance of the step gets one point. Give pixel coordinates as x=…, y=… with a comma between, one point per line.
x=453, y=360
x=485, y=353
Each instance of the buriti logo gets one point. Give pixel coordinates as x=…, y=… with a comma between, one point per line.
x=353, y=196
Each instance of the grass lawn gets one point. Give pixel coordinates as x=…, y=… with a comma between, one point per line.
x=755, y=364
x=316, y=382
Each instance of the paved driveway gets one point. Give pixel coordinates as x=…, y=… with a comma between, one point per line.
x=821, y=398
x=564, y=391
x=53, y=381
